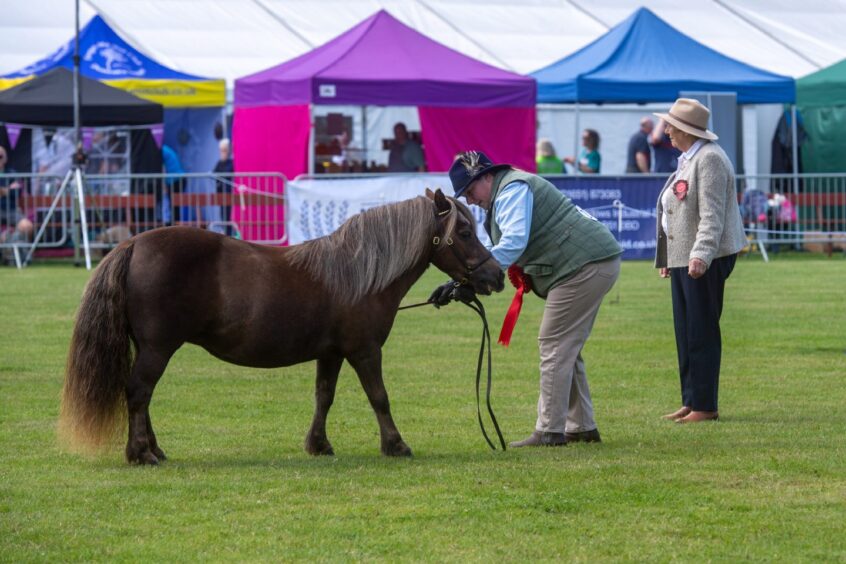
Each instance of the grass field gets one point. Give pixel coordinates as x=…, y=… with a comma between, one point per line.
x=765, y=483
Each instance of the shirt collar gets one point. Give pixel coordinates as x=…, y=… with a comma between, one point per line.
x=685, y=157
x=693, y=148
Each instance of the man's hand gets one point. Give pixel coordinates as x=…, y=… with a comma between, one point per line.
x=696, y=268
x=664, y=272
x=463, y=293
x=450, y=291
x=442, y=294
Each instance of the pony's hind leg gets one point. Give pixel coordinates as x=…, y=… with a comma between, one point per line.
x=151, y=438
x=368, y=366
x=141, y=446
x=327, y=377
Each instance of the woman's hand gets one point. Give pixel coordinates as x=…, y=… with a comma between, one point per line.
x=664, y=272
x=696, y=268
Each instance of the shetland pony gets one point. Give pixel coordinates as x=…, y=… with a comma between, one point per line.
x=330, y=299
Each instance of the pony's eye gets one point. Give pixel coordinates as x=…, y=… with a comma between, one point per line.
x=465, y=234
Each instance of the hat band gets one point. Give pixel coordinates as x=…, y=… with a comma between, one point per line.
x=699, y=127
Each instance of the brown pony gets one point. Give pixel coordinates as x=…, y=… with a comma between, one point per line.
x=329, y=299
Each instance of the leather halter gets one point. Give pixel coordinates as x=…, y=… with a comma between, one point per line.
x=469, y=269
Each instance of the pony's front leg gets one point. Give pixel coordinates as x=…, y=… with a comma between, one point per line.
x=368, y=366
x=324, y=394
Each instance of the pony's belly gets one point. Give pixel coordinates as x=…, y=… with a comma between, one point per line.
x=256, y=355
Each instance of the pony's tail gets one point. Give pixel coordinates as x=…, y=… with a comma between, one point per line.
x=100, y=358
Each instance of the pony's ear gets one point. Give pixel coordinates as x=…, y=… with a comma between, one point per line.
x=441, y=203
x=429, y=193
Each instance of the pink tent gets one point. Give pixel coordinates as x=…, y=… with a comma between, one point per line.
x=463, y=103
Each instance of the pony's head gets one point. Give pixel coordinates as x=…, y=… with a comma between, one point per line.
x=458, y=251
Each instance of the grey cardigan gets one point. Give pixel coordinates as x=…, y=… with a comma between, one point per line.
x=706, y=223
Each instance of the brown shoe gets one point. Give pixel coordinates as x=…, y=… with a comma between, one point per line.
x=676, y=415
x=583, y=437
x=540, y=438
x=697, y=416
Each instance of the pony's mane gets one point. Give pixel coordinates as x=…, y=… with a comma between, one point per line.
x=373, y=248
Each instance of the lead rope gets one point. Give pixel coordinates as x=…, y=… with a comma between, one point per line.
x=486, y=338
x=477, y=306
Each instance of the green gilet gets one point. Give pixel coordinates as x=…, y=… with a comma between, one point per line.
x=562, y=238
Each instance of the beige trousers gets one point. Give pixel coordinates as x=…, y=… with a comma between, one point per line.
x=564, y=403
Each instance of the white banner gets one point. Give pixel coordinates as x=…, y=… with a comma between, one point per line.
x=317, y=206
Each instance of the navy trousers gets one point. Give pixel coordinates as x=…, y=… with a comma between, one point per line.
x=697, y=307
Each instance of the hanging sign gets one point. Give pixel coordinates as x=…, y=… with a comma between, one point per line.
x=327, y=91
x=158, y=134
x=13, y=131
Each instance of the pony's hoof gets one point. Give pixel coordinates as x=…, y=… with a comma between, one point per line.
x=143, y=458
x=397, y=449
x=150, y=460
x=319, y=448
x=159, y=453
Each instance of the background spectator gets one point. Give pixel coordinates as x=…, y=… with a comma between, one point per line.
x=173, y=166
x=173, y=182
x=406, y=154
x=13, y=225
x=589, y=159
x=547, y=161
x=223, y=185
x=637, y=155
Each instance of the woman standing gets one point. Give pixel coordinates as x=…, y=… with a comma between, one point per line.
x=589, y=160
x=699, y=235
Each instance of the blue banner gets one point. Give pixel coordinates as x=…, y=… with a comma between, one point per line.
x=626, y=205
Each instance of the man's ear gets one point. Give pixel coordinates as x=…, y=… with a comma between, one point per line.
x=430, y=194
x=441, y=203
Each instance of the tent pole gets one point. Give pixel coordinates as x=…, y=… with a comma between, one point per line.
x=795, y=147
x=364, y=136
x=76, y=93
x=311, y=139
x=576, y=149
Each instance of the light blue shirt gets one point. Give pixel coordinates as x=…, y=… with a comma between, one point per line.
x=514, y=218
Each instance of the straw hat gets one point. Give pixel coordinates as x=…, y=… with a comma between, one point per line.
x=691, y=116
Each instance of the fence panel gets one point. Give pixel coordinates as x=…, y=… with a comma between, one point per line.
x=807, y=211
x=804, y=211
x=248, y=206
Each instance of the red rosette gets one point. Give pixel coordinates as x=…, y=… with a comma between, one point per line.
x=680, y=189
x=523, y=283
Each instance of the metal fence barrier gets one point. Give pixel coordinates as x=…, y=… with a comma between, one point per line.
x=248, y=206
x=805, y=211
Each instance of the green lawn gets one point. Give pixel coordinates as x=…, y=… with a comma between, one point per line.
x=765, y=483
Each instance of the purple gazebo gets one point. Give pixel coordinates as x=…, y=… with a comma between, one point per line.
x=463, y=103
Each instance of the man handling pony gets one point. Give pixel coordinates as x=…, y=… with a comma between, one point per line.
x=567, y=258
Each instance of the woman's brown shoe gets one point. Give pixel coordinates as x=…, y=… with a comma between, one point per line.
x=697, y=416
x=676, y=415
